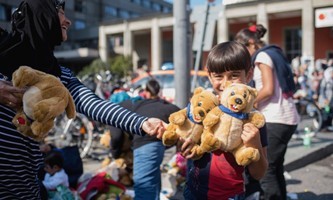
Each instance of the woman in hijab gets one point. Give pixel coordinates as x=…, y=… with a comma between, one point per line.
x=37, y=27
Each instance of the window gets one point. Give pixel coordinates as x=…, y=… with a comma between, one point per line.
x=137, y=1
x=79, y=24
x=124, y=14
x=110, y=11
x=146, y=3
x=134, y=15
x=116, y=41
x=2, y=12
x=78, y=6
x=156, y=7
x=166, y=9
x=293, y=42
x=6, y=12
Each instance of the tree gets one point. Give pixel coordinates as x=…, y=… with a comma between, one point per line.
x=120, y=67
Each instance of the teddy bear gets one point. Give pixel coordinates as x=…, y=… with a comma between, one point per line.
x=224, y=124
x=45, y=98
x=187, y=123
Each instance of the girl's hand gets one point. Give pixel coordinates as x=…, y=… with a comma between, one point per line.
x=251, y=136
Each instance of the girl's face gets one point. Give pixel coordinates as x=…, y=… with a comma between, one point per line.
x=64, y=23
x=218, y=81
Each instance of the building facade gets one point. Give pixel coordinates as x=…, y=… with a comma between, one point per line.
x=292, y=24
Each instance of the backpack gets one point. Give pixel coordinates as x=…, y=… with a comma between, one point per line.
x=282, y=69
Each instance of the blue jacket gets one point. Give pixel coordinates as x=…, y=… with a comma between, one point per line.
x=282, y=68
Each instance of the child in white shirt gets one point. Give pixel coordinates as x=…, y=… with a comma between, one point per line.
x=55, y=174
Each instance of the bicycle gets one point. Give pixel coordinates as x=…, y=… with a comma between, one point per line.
x=310, y=115
x=70, y=132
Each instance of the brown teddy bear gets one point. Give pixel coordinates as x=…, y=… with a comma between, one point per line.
x=45, y=98
x=224, y=124
x=188, y=121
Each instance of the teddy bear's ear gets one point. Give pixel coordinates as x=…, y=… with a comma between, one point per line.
x=253, y=91
x=198, y=90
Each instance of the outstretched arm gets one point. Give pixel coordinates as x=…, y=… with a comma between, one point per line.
x=89, y=104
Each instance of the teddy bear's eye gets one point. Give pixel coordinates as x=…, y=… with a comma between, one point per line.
x=208, y=110
x=199, y=104
x=232, y=93
x=244, y=95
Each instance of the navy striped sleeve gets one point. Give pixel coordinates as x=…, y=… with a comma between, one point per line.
x=101, y=110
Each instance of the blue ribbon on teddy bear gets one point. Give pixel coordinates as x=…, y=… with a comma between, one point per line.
x=238, y=115
x=189, y=114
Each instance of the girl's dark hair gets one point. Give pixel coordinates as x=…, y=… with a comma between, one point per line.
x=254, y=32
x=54, y=158
x=228, y=56
x=153, y=87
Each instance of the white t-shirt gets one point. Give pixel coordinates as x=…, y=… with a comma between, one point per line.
x=275, y=109
x=59, y=178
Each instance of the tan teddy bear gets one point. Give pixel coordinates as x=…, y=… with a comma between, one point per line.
x=45, y=98
x=224, y=124
x=188, y=121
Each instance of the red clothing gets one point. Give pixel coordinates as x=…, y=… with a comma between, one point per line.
x=215, y=176
x=225, y=178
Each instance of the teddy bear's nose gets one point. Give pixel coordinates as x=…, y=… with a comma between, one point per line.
x=201, y=113
x=238, y=101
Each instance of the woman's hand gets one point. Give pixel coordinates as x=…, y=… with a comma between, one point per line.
x=9, y=95
x=154, y=127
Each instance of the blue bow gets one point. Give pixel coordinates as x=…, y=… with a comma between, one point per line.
x=238, y=115
x=189, y=114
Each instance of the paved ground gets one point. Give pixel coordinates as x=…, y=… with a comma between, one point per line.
x=297, y=163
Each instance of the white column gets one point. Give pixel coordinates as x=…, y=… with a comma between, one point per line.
x=262, y=19
x=102, y=44
x=307, y=29
x=222, y=27
x=128, y=40
x=156, y=45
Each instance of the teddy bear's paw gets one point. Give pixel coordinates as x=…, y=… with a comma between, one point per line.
x=169, y=138
x=198, y=153
x=42, y=112
x=247, y=156
x=177, y=120
x=209, y=142
x=40, y=130
x=257, y=119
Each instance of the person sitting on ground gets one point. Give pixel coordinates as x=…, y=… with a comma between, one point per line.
x=55, y=174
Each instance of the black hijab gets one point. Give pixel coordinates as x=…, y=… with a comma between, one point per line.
x=35, y=32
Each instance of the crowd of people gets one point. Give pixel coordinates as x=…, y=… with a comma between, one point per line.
x=40, y=25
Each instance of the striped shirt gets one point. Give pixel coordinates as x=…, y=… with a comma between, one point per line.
x=20, y=157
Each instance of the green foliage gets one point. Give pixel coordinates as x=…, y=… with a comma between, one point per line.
x=95, y=67
x=119, y=66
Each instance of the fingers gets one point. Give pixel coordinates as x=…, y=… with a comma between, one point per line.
x=191, y=155
x=154, y=127
x=186, y=147
x=10, y=96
